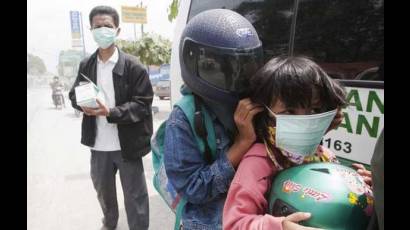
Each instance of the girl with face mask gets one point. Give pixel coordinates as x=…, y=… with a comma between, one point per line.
x=301, y=104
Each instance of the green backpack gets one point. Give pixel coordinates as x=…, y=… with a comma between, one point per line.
x=202, y=127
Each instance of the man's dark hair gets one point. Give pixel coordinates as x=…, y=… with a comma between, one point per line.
x=104, y=10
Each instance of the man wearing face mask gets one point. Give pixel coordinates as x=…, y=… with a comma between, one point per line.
x=118, y=131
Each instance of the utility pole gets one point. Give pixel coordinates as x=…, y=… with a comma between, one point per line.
x=82, y=32
x=142, y=25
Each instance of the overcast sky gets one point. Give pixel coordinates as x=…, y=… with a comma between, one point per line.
x=49, y=31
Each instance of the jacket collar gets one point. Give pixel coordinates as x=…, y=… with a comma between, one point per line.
x=119, y=66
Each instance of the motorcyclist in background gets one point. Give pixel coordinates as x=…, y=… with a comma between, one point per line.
x=57, y=90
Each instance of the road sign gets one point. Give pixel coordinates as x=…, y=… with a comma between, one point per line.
x=75, y=29
x=134, y=14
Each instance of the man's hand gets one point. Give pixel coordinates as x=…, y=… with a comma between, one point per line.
x=102, y=110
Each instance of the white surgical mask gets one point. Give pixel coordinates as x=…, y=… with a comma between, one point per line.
x=301, y=134
x=104, y=36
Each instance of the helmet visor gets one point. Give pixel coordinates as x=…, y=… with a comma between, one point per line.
x=226, y=69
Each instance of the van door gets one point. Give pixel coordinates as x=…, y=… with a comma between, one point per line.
x=346, y=37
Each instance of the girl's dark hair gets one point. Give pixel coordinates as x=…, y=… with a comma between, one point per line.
x=105, y=10
x=293, y=80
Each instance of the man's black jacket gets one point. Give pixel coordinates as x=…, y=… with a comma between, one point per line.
x=133, y=100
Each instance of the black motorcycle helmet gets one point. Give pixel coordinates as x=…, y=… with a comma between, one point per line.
x=219, y=51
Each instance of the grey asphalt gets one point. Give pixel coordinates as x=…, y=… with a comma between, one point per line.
x=60, y=194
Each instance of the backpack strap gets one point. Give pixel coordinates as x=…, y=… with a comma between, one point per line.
x=178, y=213
x=188, y=106
x=200, y=128
x=202, y=125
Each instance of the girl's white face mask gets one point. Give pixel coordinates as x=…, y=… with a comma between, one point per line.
x=301, y=134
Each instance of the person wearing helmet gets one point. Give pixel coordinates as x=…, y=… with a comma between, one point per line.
x=219, y=51
x=56, y=87
x=301, y=103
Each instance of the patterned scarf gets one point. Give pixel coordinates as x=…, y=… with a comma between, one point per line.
x=322, y=154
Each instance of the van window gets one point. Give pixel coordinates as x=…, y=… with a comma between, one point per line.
x=271, y=19
x=197, y=6
x=345, y=37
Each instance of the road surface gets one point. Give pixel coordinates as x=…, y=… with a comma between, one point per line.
x=60, y=194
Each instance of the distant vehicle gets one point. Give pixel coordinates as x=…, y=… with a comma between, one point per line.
x=162, y=75
x=163, y=89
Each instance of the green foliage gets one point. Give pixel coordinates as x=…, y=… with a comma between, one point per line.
x=173, y=10
x=35, y=65
x=151, y=49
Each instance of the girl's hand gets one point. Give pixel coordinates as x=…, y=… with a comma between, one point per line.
x=243, y=117
x=291, y=221
x=337, y=120
x=366, y=174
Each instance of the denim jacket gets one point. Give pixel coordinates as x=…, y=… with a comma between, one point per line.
x=203, y=185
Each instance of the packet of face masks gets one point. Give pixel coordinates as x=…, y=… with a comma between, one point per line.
x=87, y=94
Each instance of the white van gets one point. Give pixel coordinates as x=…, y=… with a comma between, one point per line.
x=346, y=37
